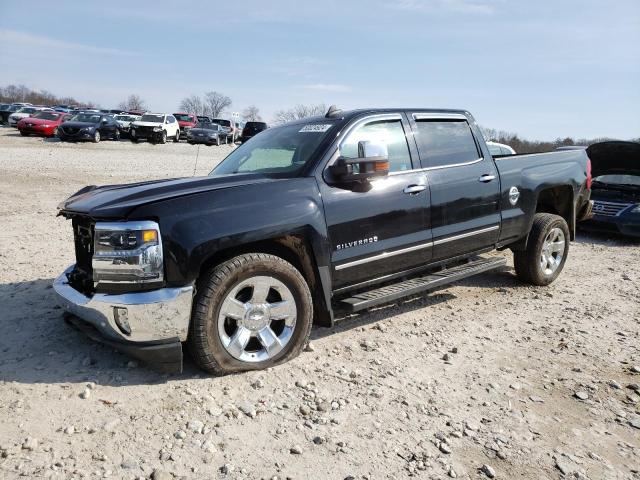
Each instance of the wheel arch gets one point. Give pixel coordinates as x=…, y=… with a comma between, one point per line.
x=296, y=249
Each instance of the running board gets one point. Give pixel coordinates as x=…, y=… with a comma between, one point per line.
x=419, y=284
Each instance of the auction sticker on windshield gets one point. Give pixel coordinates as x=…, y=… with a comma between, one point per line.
x=316, y=128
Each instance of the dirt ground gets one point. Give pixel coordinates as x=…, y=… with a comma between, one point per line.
x=488, y=378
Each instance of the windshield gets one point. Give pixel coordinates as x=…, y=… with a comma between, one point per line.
x=125, y=118
x=281, y=151
x=224, y=123
x=633, y=180
x=47, y=115
x=152, y=118
x=183, y=117
x=27, y=110
x=86, y=117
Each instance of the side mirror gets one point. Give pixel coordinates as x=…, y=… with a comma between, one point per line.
x=372, y=161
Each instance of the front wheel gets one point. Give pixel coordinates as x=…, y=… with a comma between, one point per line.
x=96, y=137
x=116, y=135
x=546, y=252
x=23, y=133
x=251, y=312
x=163, y=137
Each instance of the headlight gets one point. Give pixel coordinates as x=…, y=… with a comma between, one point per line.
x=127, y=252
x=157, y=129
x=636, y=209
x=46, y=125
x=87, y=129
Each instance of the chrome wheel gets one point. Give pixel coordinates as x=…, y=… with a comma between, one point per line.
x=257, y=319
x=552, y=251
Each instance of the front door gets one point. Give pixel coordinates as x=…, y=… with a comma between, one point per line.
x=382, y=226
x=465, y=186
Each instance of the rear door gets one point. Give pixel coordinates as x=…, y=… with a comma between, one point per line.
x=465, y=186
x=382, y=226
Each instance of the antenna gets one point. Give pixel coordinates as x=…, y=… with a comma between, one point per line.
x=196, y=165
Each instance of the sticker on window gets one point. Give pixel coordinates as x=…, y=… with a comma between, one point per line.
x=315, y=128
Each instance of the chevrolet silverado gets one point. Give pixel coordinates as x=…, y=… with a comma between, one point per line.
x=335, y=213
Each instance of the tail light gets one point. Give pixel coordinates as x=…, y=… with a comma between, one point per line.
x=589, y=179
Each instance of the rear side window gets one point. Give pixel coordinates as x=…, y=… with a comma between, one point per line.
x=445, y=142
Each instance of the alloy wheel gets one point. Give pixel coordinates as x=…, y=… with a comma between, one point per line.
x=257, y=319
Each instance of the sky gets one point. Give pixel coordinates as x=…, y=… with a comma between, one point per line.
x=543, y=69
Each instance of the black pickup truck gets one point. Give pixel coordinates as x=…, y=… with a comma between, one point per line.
x=341, y=212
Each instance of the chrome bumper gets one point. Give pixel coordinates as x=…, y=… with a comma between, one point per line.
x=153, y=316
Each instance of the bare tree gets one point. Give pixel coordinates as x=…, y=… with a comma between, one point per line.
x=215, y=103
x=299, y=111
x=21, y=93
x=251, y=114
x=133, y=102
x=193, y=104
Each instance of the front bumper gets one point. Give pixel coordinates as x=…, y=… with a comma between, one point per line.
x=37, y=130
x=158, y=320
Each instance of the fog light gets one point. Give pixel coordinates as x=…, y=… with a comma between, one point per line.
x=122, y=319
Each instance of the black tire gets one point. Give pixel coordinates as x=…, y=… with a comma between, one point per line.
x=528, y=263
x=163, y=137
x=190, y=142
x=176, y=139
x=134, y=140
x=218, y=142
x=204, y=341
x=96, y=137
x=23, y=133
x=116, y=136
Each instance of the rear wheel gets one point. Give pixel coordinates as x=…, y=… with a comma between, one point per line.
x=251, y=312
x=176, y=139
x=134, y=139
x=546, y=252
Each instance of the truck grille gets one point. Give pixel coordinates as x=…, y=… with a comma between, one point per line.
x=608, y=209
x=81, y=278
x=144, y=130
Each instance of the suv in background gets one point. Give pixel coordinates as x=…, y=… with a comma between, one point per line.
x=155, y=127
x=203, y=119
x=233, y=133
x=186, y=121
x=252, y=128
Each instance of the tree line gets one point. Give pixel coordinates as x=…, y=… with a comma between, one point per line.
x=22, y=93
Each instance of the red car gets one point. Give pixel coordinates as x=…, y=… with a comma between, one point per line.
x=44, y=123
x=186, y=121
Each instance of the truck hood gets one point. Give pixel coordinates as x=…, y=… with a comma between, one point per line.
x=608, y=158
x=146, y=124
x=118, y=201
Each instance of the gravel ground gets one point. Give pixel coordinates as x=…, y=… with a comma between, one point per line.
x=486, y=379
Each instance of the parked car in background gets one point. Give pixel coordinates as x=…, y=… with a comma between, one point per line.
x=186, y=121
x=231, y=131
x=500, y=149
x=44, y=123
x=124, y=122
x=252, y=128
x=156, y=128
x=24, y=112
x=207, y=133
x=93, y=126
x=203, y=119
x=8, y=110
x=615, y=190
x=63, y=108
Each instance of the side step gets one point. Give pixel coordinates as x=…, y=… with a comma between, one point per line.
x=420, y=284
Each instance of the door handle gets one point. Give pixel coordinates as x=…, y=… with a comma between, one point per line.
x=413, y=189
x=486, y=178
